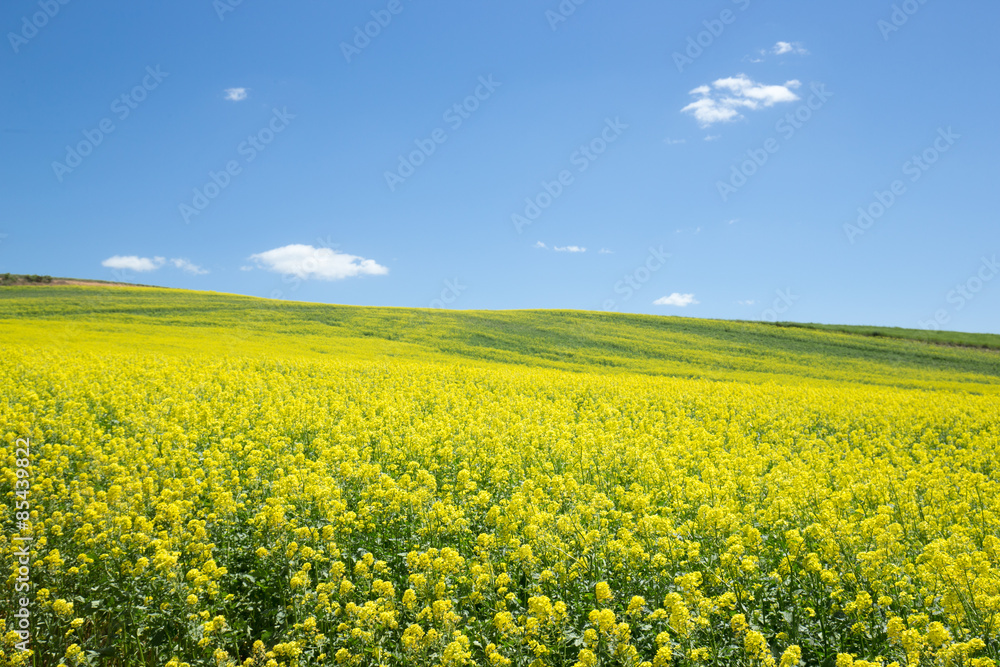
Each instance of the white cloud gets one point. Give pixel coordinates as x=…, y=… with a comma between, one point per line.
x=779, y=49
x=187, y=266
x=708, y=111
x=605, y=251
x=676, y=299
x=133, y=263
x=725, y=101
x=561, y=248
x=236, y=94
x=146, y=264
x=673, y=142
x=743, y=86
x=305, y=261
x=796, y=48
x=748, y=302
x=712, y=137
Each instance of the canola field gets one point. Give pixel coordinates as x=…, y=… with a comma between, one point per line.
x=201, y=480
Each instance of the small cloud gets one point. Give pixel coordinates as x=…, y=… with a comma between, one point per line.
x=712, y=137
x=676, y=299
x=795, y=48
x=673, y=142
x=305, y=261
x=779, y=49
x=539, y=244
x=569, y=248
x=133, y=263
x=733, y=221
x=188, y=267
x=246, y=268
x=732, y=95
x=748, y=302
x=236, y=94
x=605, y=251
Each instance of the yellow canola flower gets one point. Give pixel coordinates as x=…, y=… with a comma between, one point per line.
x=791, y=657
x=756, y=646
x=636, y=604
x=62, y=607
x=586, y=658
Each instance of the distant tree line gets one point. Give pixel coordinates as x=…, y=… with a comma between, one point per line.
x=14, y=279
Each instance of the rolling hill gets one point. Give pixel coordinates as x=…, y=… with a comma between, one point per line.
x=169, y=320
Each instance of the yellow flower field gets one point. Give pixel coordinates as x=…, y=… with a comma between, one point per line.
x=191, y=508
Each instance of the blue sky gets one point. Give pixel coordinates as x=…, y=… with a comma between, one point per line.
x=822, y=162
